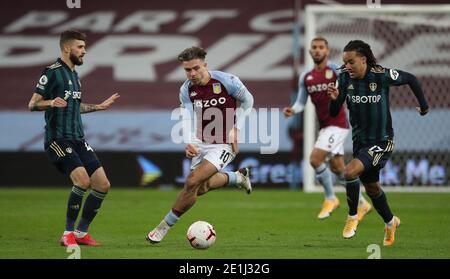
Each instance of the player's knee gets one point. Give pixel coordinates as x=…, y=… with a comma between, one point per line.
x=192, y=182
x=82, y=182
x=314, y=161
x=104, y=186
x=350, y=173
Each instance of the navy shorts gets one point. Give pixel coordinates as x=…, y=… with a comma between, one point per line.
x=374, y=157
x=68, y=155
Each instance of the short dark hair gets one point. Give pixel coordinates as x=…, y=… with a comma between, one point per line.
x=363, y=49
x=69, y=35
x=320, y=39
x=192, y=53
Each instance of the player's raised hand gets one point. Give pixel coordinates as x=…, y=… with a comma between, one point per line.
x=288, y=112
x=422, y=111
x=58, y=103
x=191, y=150
x=332, y=92
x=108, y=102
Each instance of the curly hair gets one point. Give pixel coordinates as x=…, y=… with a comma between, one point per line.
x=363, y=49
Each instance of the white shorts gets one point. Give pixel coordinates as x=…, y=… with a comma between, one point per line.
x=220, y=155
x=332, y=139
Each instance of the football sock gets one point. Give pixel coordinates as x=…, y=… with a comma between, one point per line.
x=382, y=207
x=232, y=178
x=323, y=175
x=80, y=234
x=171, y=218
x=90, y=209
x=73, y=207
x=352, y=189
x=340, y=179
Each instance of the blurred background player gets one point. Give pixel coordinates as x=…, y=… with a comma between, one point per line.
x=333, y=130
x=58, y=92
x=214, y=144
x=365, y=87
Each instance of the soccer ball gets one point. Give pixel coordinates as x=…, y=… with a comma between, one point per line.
x=201, y=235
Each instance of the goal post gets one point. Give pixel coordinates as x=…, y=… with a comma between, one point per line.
x=413, y=38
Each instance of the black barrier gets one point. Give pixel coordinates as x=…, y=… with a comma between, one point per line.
x=159, y=169
x=135, y=169
x=230, y=268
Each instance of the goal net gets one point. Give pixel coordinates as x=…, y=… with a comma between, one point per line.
x=406, y=37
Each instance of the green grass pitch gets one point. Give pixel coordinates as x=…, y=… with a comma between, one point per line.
x=268, y=224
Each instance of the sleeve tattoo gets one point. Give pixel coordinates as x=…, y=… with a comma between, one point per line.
x=85, y=108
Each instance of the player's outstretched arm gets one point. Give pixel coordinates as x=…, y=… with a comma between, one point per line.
x=300, y=102
x=37, y=103
x=400, y=78
x=86, y=108
x=414, y=84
